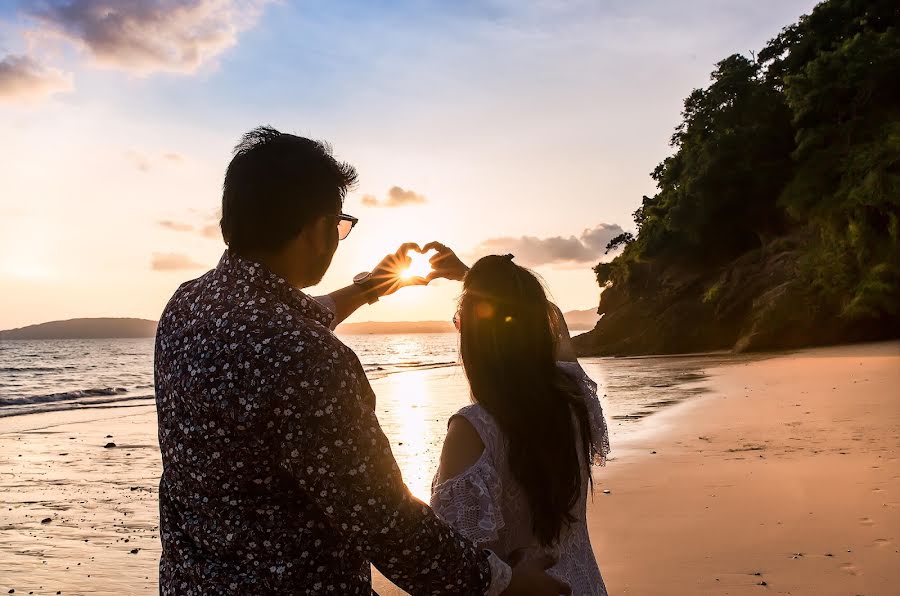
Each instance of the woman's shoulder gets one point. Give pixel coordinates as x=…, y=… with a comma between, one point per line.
x=483, y=423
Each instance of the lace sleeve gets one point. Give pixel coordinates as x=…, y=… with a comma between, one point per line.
x=599, y=431
x=470, y=503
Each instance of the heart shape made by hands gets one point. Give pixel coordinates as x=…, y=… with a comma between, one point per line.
x=419, y=265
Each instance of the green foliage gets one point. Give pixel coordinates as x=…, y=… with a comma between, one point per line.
x=620, y=240
x=713, y=292
x=804, y=140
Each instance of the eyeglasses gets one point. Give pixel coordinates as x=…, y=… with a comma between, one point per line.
x=345, y=224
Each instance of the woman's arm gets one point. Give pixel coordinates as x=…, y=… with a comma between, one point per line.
x=462, y=449
x=565, y=351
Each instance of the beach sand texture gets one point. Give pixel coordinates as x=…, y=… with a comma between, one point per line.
x=783, y=477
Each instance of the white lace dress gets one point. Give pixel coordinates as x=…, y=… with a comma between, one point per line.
x=486, y=504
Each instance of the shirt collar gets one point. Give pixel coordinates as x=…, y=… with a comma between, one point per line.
x=241, y=269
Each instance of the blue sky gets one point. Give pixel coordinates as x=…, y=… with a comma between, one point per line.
x=523, y=124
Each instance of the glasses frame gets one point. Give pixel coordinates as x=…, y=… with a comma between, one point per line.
x=344, y=217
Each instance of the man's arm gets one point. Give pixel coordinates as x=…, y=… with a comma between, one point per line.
x=333, y=446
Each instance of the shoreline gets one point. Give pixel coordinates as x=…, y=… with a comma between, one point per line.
x=706, y=481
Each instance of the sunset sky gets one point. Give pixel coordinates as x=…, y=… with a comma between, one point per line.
x=501, y=126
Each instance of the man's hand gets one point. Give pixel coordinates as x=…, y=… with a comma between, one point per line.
x=445, y=263
x=530, y=578
x=386, y=276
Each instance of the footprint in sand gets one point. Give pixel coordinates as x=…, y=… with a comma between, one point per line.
x=881, y=542
x=850, y=568
x=866, y=521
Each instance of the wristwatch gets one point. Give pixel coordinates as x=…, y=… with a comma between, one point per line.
x=366, y=283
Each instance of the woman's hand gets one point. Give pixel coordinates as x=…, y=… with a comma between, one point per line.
x=445, y=263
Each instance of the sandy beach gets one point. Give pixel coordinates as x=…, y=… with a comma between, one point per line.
x=782, y=476
x=785, y=477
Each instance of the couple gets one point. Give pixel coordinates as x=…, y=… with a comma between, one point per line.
x=277, y=477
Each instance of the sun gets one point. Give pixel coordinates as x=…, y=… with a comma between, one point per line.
x=418, y=267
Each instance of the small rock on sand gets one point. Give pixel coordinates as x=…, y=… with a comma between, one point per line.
x=46, y=520
x=135, y=551
x=109, y=445
x=606, y=491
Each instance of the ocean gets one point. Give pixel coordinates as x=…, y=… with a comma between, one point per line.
x=52, y=375
x=416, y=377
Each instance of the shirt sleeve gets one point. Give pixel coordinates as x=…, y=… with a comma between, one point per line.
x=334, y=448
x=328, y=303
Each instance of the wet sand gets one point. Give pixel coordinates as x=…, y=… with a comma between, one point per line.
x=784, y=478
x=780, y=468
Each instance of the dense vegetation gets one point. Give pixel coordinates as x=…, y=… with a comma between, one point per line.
x=775, y=223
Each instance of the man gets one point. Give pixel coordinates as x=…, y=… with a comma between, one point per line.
x=277, y=477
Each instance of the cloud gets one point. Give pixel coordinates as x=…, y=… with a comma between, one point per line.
x=148, y=36
x=396, y=197
x=534, y=251
x=173, y=261
x=23, y=79
x=211, y=231
x=176, y=226
x=207, y=224
x=145, y=162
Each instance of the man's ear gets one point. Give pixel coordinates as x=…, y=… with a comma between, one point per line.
x=315, y=235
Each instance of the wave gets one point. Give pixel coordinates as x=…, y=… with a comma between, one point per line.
x=69, y=400
x=14, y=369
x=66, y=395
x=376, y=370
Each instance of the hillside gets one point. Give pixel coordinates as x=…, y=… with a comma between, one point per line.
x=775, y=221
x=579, y=320
x=84, y=329
x=375, y=327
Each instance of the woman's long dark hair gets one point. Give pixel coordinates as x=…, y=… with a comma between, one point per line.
x=508, y=341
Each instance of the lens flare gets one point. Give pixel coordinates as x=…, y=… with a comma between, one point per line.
x=419, y=267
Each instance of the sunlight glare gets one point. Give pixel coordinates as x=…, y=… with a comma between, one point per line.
x=419, y=267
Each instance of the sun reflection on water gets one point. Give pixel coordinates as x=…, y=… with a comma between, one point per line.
x=413, y=407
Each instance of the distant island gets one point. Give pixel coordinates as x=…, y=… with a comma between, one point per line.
x=392, y=327
x=112, y=328
x=99, y=328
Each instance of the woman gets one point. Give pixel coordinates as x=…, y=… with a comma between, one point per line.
x=516, y=464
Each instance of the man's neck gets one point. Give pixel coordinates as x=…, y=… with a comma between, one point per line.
x=279, y=264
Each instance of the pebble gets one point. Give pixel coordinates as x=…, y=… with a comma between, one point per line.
x=135, y=551
x=46, y=520
x=606, y=491
x=109, y=445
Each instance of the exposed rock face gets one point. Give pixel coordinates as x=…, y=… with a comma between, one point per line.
x=755, y=303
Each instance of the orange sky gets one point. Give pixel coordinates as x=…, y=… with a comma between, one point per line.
x=492, y=127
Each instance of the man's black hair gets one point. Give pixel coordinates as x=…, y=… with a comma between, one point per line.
x=275, y=185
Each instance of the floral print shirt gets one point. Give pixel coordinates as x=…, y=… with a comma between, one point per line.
x=277, y=477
